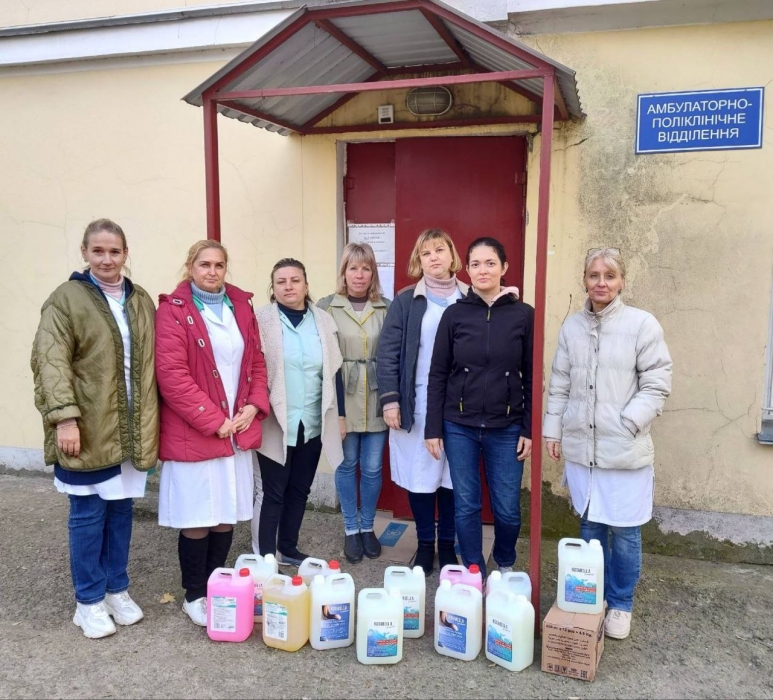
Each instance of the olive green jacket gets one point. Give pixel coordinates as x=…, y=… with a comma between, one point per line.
x=358, y=339
x=78, y=366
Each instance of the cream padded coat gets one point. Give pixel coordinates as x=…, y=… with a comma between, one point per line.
x=611, y=376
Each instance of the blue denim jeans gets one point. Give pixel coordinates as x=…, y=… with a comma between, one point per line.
x=464, y=446
x=367, y=450
x=622, y=560
x=100, y=534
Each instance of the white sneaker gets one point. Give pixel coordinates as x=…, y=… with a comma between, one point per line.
x=617, y=624
x=123, y=609
x=197, y=611
x=94, y=620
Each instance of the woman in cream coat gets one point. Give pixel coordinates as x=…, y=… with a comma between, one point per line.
x=302, y=359
x=611, y=376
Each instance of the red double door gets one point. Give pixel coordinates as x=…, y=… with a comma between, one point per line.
x=468, y=186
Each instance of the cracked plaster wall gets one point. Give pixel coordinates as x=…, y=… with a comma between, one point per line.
x=696, y=232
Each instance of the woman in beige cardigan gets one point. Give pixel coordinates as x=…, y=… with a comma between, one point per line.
x=611, y=376
x=302, y=359
x=359, y=309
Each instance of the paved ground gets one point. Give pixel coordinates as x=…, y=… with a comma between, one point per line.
x=701, y=629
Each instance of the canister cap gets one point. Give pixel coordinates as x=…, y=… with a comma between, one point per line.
x=334, y=565
x=297, y=581
x=244, y=572
x=474, y=569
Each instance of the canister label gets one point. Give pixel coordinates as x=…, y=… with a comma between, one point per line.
x=499, y=640
x=411, y=606
x=276, y=621
x=258, y=599
x=223, y=613
x=382, y=638
x=581, y=585
x=452, y=632
x=335, y=622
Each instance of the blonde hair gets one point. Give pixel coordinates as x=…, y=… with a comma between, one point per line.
x=609, y=256
x=195, y=250
x=356, y=253
x=431, y=234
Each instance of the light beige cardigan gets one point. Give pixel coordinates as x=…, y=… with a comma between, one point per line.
x=274, y=444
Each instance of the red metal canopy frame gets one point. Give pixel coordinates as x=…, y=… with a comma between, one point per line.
x=552, y=108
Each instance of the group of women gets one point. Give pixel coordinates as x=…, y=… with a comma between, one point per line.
x=444, y=371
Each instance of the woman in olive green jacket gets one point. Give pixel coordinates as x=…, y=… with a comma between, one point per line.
x=359, y=309
x=95, y=386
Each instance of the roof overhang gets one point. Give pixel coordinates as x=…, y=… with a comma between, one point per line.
x=318, y=58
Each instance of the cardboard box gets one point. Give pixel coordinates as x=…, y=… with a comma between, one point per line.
x=572, y=643
x=399, y=543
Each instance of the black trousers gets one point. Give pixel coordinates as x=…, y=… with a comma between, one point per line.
x=286, y=489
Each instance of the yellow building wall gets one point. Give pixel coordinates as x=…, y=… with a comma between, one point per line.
x=696, y=232
x=121, y=144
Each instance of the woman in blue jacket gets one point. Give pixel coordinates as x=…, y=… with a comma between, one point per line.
x=479, y=402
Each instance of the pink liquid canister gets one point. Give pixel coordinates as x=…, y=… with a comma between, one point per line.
x=456, y=573
x=230, y=605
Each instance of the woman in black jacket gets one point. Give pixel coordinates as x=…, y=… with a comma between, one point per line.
x=479, y=402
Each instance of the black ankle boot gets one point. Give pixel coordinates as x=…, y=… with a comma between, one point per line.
x=217, y=551
x=446, y=553
x=371, y=547
x=425, y=557
x=353, y=550
x=193, y=566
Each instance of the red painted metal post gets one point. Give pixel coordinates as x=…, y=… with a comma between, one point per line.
x=211, y=169
x=543, y=210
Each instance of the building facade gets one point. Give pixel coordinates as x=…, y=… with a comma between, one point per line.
x=94, y=125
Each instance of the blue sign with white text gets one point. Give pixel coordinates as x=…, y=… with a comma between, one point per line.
x=702, y=120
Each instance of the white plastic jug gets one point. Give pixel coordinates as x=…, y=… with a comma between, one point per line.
x=458, y=620
x=379, y=626
x=260, y=569
x=332, y=611
x=311, y=567
x=413, y=587
x=516, y=581
x=580, y=576
x=509, y=629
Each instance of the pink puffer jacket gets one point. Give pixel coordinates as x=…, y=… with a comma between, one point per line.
x=193, y=399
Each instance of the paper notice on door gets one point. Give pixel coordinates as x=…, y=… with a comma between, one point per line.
x=386, y=275
x=380, y=237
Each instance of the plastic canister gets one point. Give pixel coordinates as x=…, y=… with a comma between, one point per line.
x=332, y=611
x=458, y=620
x=379, y=626
x=310, y=567
x=509, y=629
x=455, y=573
x=516, y=581
x=230, y=595
x=285, y=612
x=413, y=587
x=260, y=569
x=580, y=576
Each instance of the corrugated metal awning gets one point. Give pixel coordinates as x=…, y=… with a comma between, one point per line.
x=369, y=41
